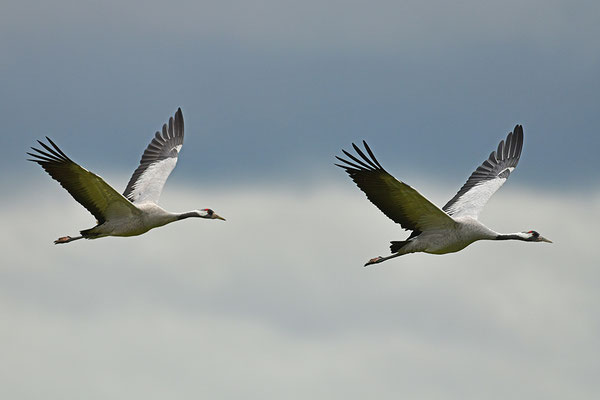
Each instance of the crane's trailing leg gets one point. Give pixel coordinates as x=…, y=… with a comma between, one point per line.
x=379, y=259
x=375, y=260
x=66, y=239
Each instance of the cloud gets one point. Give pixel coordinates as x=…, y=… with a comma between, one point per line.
x=275, y=301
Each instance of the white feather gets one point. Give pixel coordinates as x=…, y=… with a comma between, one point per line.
x=472, y=202
x=148, y=187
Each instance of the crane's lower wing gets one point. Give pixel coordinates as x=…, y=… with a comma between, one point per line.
x=158, y=160
x=394, y=198
x=488, y=177
x=90, y=190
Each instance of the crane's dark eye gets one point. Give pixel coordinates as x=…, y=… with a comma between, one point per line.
x=535, y=234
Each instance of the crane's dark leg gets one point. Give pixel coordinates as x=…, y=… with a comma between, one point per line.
x=379, y=259
x=67, y=239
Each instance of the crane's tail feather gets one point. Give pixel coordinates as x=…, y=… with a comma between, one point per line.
x=397, y=245
x=90, y=233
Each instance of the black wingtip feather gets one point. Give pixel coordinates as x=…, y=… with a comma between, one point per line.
x=58, y=149
x=53, y=152
x=36, y=159
x=43, y=154
x=500, y=150
x=171, y=134
x=357, y=160
x=349, y=170
x=364, y=163
x=371, y=154
x=360, y=153
x=354, y=166
x=519, y=131
x=179, y=126
x=42, y=159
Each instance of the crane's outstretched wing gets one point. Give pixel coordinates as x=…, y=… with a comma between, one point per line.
x=90, y=190
x=157, y=162
x=394, y=198
x=488, y=177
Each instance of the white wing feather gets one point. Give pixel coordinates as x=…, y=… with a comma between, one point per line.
x=149, y=185
x=472, y=202
x=158, y=160
x=487, y=178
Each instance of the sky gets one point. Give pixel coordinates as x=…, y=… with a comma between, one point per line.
x=274, y=302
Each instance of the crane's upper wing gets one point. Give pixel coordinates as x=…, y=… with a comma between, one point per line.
x=157, y=162
x=396, y=199
x=488, y=177
x=87, y=188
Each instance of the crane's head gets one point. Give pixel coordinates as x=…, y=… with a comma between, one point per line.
x=209, y=214
x=533, y=236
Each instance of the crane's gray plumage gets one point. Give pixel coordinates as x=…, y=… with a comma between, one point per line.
x=135, y=211
x=435, y=230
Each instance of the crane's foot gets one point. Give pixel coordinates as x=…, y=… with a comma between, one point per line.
x=64, y=239
x=375, y=260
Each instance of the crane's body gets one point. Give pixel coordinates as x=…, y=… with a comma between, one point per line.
x=136, y=210
x=149, y=216
x=441, y=241
x=435, y=230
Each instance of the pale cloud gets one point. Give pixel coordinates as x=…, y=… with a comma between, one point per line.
x=275, y=301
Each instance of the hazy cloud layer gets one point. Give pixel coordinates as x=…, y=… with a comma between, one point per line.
x=274, y=302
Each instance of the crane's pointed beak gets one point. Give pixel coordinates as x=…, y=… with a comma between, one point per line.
x=215, y=216
x=543, y=239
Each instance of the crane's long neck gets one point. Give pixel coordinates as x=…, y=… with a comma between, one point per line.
x=512, y=236
x=206, y=213
x=189, y=214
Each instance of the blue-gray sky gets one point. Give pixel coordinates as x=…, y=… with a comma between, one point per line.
x=279, y=87
x=275, y=302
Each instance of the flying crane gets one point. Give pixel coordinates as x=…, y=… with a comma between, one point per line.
x=435, y=230
x=136, y=210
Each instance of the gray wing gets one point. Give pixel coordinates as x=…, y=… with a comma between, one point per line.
x=158, y=160
x=394, y=198
x=488, y=177
x=90, y=190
